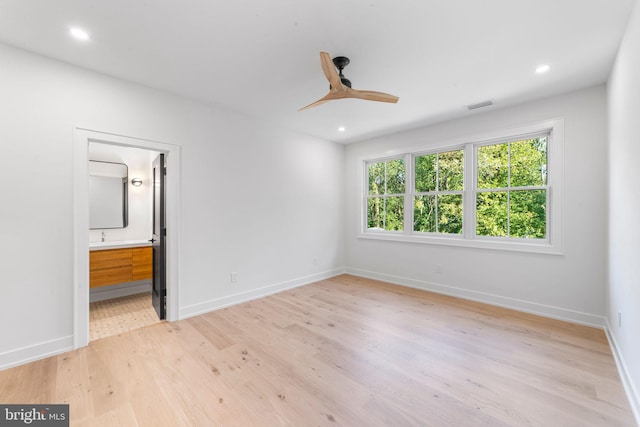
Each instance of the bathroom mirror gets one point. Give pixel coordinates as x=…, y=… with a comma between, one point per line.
x=108, y=200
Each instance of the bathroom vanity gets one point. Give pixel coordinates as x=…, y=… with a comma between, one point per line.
x=118, y=263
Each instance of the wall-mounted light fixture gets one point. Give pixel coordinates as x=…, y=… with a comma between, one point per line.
x=136, y=182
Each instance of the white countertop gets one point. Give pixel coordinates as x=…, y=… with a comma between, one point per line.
x=99, y=246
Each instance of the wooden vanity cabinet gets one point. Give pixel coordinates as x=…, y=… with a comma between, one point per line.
x=142, y=267
x=113, y=266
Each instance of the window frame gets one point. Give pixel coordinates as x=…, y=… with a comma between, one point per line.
x=385, y=196
x=476, y=190
x=413, y=193
x=552, y=244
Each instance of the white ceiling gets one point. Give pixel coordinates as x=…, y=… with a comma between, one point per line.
x=261, y=58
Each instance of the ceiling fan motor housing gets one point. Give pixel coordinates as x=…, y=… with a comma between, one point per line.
x=345, y=82
x=340, y=62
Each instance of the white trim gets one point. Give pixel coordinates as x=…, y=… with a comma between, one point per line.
x=408, y=190
x=468, y=196
x=487, y=298
x=241, y=297
x=633, y=395
x=35, y=352
x=553, y=245
x=456, y=240
x=82, y=138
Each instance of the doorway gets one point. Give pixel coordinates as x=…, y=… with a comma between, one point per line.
x=171, y=154
x=126, y=239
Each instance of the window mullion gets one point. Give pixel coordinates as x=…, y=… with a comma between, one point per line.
x=509, y=190
x=409, y=190
x=469, y=192
x=437, y=189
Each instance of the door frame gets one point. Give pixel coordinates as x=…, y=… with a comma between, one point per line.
x=82, y=138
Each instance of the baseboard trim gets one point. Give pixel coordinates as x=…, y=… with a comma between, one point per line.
x=35, y=352
x=122, y=290
x=632, y=393
x=497, y=300
x=227, y=301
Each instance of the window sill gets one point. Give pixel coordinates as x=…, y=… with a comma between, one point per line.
x=501, y=245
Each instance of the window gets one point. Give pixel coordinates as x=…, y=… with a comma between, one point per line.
x=439, y=181
x=385, y=202
x=494, y=192
x=511, y=195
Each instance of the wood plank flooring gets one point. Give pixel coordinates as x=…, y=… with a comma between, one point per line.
x=341, y=352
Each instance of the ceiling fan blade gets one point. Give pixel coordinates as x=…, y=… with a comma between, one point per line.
x=330, y=71
x=320, y=101
x=370, y=95
x=333, y=94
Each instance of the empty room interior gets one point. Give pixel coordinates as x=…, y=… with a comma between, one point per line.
x=321, y=213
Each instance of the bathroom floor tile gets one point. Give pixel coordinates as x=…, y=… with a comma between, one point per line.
x=118, y=315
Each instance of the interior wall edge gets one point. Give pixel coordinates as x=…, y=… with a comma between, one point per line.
x=241, y=297
x=632, y=393
x=35, y=352
x=551, y=312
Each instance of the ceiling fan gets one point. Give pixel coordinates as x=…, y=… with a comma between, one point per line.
x=340, y=87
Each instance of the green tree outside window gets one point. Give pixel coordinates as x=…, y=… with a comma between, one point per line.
x=385, y=200
x=439, y=181
x=511, y=200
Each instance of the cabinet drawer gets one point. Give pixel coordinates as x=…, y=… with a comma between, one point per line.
x=112, y=258
x=142, y=263
x=110, y=276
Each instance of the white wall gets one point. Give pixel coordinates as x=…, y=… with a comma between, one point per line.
x=254, y=200
x=571, y=286
x=138, y=162
x=624, y=207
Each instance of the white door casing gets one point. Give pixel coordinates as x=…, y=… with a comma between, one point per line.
x=82, y=138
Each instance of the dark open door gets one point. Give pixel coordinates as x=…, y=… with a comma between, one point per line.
x=159, y=293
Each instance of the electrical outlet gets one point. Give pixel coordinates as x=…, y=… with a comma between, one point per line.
x=234, y=277
x=438, y=269
x=315, y=260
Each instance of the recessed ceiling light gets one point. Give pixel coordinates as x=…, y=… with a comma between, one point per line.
x=79, y=33
x=542, y=69
x=341, y=129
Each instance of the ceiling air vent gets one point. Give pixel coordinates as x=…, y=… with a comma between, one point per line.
x=479, y=105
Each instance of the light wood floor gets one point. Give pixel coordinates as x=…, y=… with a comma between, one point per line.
x=341, y=352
